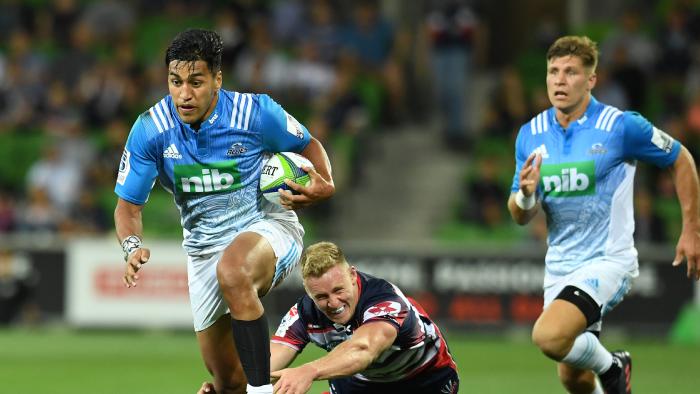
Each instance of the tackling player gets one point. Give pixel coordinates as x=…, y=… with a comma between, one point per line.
x=206, y=146
x=577, y=161
x=378, y=340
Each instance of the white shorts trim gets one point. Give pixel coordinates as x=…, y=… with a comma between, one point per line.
x=206, y=300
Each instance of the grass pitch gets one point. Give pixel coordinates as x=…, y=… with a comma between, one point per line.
x=117, y=362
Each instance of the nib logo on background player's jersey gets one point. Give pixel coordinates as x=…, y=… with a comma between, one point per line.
x=219, y=177
x=569, y=179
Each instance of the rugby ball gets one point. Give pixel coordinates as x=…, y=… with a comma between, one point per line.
x=281, y=166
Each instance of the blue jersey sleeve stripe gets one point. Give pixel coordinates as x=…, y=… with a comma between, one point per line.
x=243, y=110
x=606, y=120
x=234, y=112
x=539, y=124
x=159, y=111
x=602, y=115
x=155, y=119
x=248, y=111
x=611, y=121
x=545, y=121
x=166, y=111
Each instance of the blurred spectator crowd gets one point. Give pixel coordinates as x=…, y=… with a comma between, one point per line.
x=74, y=75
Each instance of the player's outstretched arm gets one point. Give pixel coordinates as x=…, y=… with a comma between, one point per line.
x=346, y=359
x=523, y=205
x=685, y=178
x=321, y=186
x=129, y=228
x=281, y=356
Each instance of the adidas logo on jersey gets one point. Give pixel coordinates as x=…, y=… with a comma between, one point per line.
x=568, y=179
x=172, y=153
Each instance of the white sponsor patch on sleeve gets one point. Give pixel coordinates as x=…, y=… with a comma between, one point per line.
x=293, y=126
x=662, y=140
x=287, y=321
x=386, y=308
x=124, y=167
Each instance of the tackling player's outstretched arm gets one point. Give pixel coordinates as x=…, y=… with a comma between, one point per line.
x=346, y=359
x=685, y=178
x=281, y=356
x=129, y=228
x=523, y=205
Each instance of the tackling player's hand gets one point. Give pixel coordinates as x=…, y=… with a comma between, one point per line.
x=530, y=174
x=689, y=247
x=293, y=380
x=134, y=263
x=318, y=189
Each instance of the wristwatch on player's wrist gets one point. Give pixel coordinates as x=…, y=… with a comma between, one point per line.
x=130, y=244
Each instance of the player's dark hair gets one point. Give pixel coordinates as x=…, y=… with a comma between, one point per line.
x=579, y=46
x=196, y=44
x=319, y=258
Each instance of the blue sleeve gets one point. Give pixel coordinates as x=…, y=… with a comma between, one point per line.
x=138, y=168
x=280, y=131
x=643, y=141
x=520, y=157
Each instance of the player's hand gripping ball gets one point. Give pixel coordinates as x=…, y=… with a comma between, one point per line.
x=281, y=166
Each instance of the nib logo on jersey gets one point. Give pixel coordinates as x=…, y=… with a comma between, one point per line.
x=214, y=178
x=568, y=179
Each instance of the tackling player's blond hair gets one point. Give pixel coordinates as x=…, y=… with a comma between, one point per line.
x=319, y=258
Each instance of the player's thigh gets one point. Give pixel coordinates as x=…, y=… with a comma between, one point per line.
x=249, y=258
x=604, y=284
x=560, y=320
x=206, y=300
x=285, y=239
x=217, y=346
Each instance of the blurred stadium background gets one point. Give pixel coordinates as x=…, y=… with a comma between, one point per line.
x=418, y=103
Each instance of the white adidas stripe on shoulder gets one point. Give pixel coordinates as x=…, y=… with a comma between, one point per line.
x=242, y=108
x=607, y=118
x=160, y=114
x=540, y=123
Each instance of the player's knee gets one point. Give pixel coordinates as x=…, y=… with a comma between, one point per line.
x=551, y=340
x=234, y=274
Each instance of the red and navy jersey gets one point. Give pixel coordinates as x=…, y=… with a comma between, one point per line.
x=419, y=346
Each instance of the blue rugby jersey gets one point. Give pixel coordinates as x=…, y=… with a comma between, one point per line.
x=586, y=182
x=213, y=173
x=418, y=348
